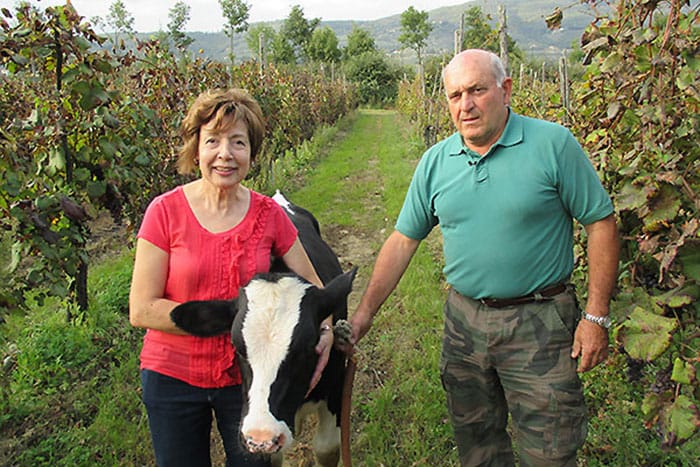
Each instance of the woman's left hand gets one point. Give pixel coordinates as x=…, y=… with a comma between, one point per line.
x=323, y=349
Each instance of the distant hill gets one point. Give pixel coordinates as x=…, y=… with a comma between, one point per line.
x=525, y=20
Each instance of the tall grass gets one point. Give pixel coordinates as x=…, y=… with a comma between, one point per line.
x=71, y=392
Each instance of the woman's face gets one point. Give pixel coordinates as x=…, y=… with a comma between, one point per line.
x=224, y=153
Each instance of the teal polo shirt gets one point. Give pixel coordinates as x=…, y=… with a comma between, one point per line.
x=506, y=217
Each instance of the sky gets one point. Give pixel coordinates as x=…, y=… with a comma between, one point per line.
x=206, y=15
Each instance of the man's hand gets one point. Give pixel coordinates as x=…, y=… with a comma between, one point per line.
x=591, y=344
x=342, y=336
x=348, y=333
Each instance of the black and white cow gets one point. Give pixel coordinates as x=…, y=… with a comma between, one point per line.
x=274, y=325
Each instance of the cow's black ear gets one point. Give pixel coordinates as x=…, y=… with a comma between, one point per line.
x=336, y=292
x=205, y=318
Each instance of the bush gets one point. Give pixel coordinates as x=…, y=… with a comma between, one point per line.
x=376, y=78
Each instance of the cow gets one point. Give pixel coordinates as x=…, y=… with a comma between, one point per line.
x=275, y=326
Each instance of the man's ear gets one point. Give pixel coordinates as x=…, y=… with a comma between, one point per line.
x=507, y=87
x=205, y=318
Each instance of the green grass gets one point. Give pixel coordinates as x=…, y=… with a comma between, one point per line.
x=72, y=397
x=399, y=410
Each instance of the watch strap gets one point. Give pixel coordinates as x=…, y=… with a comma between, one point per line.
x=602, y=321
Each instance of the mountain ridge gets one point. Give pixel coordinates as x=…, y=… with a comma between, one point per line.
x=525, y=22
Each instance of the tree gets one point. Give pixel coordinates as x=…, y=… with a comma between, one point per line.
x=323, y=46
x=480, y=35
x=415, y=30
x=359, y=41
x=298, y=30
x=258, y=33
x=281, y=50
x=236, y=13
x=119, y=18
x=179, y=15
x=376, y=78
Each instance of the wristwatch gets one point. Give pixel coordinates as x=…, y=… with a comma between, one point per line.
x=603, y=321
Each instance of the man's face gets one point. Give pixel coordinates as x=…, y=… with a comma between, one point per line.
x=477, y=104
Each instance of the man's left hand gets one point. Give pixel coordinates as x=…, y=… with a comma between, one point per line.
x=590, y=344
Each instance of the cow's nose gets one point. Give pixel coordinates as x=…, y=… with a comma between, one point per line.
x=265, y=446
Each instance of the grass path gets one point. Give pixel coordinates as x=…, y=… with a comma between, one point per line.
x=356, y=192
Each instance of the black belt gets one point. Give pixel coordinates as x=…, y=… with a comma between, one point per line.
x=533, y=297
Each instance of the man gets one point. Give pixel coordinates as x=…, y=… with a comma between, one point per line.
x=504, y=189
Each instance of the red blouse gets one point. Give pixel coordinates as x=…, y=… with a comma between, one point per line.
x=207, y=266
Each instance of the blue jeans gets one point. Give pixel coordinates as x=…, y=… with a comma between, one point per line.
x=180, y=419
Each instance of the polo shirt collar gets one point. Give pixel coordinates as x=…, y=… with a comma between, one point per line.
x=512, y=135
x=513, y=132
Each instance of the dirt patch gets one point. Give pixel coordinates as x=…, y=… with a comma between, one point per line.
x=107, y=237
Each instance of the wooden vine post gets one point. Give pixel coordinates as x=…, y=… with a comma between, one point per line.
x=503, y=37
x=459, y=35
x=564, y=88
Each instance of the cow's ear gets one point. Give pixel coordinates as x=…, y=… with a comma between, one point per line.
x=335, y=292
x=205, y=318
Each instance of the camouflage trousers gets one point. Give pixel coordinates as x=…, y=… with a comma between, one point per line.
x=517, y=359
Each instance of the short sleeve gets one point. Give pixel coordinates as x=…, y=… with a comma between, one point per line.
x=579, y=185
x=416, y=218
x=154, y=227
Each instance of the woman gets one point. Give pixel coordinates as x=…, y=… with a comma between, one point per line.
x=202, y=241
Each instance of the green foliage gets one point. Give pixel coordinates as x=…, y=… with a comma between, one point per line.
x=236, y=13
x=260, y=32
x=616, y=413
x=297, y=31
x=415, y=30
x=479, y=34
x=323, y=46
x=641, y=78
x=120, y=20
x=359, y=41
x=179, y=15
x=70, y=393
x=281, y=51
x=375, y=76
x=55, y=113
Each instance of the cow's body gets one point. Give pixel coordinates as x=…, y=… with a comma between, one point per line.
x=275, y=325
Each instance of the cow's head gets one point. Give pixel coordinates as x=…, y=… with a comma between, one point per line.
x=275, y=328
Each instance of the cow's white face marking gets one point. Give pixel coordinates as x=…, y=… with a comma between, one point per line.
x=273, y=311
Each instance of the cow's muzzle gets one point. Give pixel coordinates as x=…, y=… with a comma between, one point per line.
x=265, y=447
